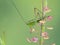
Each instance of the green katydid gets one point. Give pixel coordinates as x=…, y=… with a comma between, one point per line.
x=40, y=17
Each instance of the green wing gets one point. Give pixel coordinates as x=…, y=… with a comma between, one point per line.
x=37, y=18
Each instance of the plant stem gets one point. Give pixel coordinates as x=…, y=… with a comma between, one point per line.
x=42, y=25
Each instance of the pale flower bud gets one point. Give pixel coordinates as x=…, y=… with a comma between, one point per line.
x=42, y=21
x=46, y=9
x=46, y=37
x=44, y=34
x=28, y=40
x=50, y=28
x=34, y=39
x=49, y=18
x=53, y=44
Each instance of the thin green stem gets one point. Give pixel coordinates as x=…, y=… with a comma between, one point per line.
x=42, y=26
x=3, y=39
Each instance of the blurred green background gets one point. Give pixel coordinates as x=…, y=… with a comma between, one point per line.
x=15, y=28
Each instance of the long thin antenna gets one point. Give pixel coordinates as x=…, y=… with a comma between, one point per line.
x=17, y=10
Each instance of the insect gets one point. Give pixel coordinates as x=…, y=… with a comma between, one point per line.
x=40, y=18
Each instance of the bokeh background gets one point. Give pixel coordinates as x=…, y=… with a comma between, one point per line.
x=16, y=31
